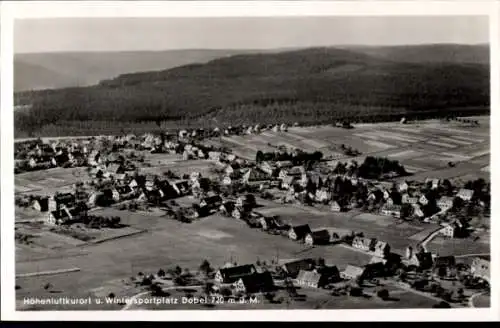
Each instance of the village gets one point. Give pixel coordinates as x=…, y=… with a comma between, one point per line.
x=131, y=173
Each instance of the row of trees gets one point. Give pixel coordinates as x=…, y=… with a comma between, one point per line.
x=298, y=157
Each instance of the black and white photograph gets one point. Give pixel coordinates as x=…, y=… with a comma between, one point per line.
x=248, y=162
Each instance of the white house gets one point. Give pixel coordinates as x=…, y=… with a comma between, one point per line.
x=423, y=200
x=226, y=181
x=445, y=203
x=403, y=186
x=465, y=194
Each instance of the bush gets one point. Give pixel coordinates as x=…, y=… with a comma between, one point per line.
x=383, y=294
x=442, y=305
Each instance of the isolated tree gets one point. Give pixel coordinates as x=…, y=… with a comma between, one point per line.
x=161, y=273
x=205, y=267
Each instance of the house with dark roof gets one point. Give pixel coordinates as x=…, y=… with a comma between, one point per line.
x=318, y=237
x=125, y=192
x=211, y=202
x=299, y=232
x=365, y=244
x=41, y=204
x=444, y=266
x=58, y=217
x=422, y=260
x=227, y=207
x=382, y=249
x=233, y=274
x=268, y=222
x=291, y=269
x=67, y=199
x=255, y=283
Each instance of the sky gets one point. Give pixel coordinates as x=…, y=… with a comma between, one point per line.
x=135, y=34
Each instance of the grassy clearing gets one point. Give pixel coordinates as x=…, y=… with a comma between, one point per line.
x=457, y=246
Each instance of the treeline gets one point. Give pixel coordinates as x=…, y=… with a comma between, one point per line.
x=372, y=168
x=296, y=158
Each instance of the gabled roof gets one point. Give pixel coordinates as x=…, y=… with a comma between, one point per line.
x=353, y=271
x=381, y=244
x=60, y=214
x=311, y=276
x=258, y=281
x=465, y=192
x=301, y=230
x=234, y=273
x=294, y=267
x=323, y=234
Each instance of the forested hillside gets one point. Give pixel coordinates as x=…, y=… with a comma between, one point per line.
x=317, y=84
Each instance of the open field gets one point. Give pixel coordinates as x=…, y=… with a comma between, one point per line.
x=50, y=181
x=457, y=246
x=425, y=147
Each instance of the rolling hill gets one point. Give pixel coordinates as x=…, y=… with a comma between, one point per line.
x=431, y=53
x=308, y=85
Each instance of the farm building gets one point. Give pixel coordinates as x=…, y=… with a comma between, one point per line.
x=352, y=272
x=454, y=229
x=227, y=208
x=253, y=175
x=417, y=211
x=287, y=182
x=422, y=260
x=403, y=186
x=318, y=237
x=335, y=207
x=292, y=269
x=211, y=202
x=317, y=278
x=237, y=213
x=433, y=182
x=255, y=283
x=382, y=249
x=365, y=244
x=266, y=168
x=226, y=181
x=67, y=199
x=465, y=194
x=233, y=274
x=267, y=222
x=444, y=266
x=480, y=268
x=214, y=155
x=58, y=217
x=299, y=232
x=445, y=203
x=322, y=195
x=423, y=200
x=125, y=192
x=41, y=204
x=284, y=164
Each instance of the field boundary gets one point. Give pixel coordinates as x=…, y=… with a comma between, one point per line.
x=46, y=273
x=99, y=241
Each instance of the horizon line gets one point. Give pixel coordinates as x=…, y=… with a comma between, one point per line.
x=258, y=49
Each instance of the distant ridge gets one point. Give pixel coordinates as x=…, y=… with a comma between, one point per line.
x=35, y=71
